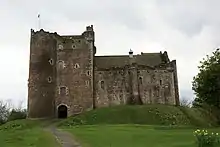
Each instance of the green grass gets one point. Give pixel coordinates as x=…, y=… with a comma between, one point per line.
x=145, y=114
x=25, y=133
x=158, y=126
x=119, y=126
x=133, y=136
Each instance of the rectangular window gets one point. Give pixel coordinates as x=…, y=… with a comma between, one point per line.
x=63, y=90
x=87, y=83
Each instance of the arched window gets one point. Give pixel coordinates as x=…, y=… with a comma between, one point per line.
x=167, y=91
x=60, y=47
x=60, y=64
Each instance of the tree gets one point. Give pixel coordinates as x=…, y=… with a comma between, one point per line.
x=4, y=112
x=185, y=102
x=18, y=113
x=206, y=84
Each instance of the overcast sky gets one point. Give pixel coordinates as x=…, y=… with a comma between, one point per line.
x=187, y=29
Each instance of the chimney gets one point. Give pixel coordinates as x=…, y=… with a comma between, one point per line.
x=130, y=54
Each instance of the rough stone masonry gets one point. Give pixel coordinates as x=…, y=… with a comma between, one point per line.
x=66, y=78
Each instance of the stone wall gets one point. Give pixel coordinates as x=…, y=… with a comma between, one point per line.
x=61, y=73
x=42, y=73
x=76, y=59
x=111, y=87
x=75, y=74
x=156, y=86
x=116, y=86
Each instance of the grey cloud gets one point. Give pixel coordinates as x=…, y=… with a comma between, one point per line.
x=189, y=16
x=187, y=29
x=124, y=12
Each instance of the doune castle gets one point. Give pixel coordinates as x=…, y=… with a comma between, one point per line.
x=66, y=78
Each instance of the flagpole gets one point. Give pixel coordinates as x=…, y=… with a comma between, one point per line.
x=38, y=16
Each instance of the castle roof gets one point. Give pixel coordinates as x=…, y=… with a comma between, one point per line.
x=148, y=59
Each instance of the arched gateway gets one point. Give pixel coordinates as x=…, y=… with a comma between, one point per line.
x=62, y=111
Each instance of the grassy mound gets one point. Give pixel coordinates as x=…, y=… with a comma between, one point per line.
x=199, y=117
x=144, y=114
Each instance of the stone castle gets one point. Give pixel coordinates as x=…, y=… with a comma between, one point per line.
x=66, y=78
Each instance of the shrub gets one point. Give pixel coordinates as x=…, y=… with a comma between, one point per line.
x=205, y=139
x=17, y=114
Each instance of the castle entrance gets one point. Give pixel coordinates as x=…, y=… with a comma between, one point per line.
x=62, y=111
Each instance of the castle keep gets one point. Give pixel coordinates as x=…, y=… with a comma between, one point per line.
x=66, y=78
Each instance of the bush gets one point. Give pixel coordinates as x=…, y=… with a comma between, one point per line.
x=205, y=139
x=17, y=114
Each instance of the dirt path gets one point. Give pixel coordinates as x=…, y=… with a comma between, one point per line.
x=64, y=138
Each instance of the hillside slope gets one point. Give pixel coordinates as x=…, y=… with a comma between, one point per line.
x=144, y=114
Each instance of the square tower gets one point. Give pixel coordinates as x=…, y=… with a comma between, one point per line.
x=60, y=74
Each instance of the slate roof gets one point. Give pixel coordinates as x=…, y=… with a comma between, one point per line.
x=149, y=59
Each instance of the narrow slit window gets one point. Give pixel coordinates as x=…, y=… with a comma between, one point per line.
x=88, y=73
x=141, y=80
x=102, y=85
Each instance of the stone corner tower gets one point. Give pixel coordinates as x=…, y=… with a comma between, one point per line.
x=41, y=74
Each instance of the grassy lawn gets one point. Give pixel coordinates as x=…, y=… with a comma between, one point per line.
x=25, y=134
x=97, y=129
x=132, y=136
x=100, y=127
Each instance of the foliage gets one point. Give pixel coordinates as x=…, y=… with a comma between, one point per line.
x=9, y=113
x=17, y=114
x=4, y=112
x=199, y=117
x=205, y=139
x=206, y=84
x=185, y=102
